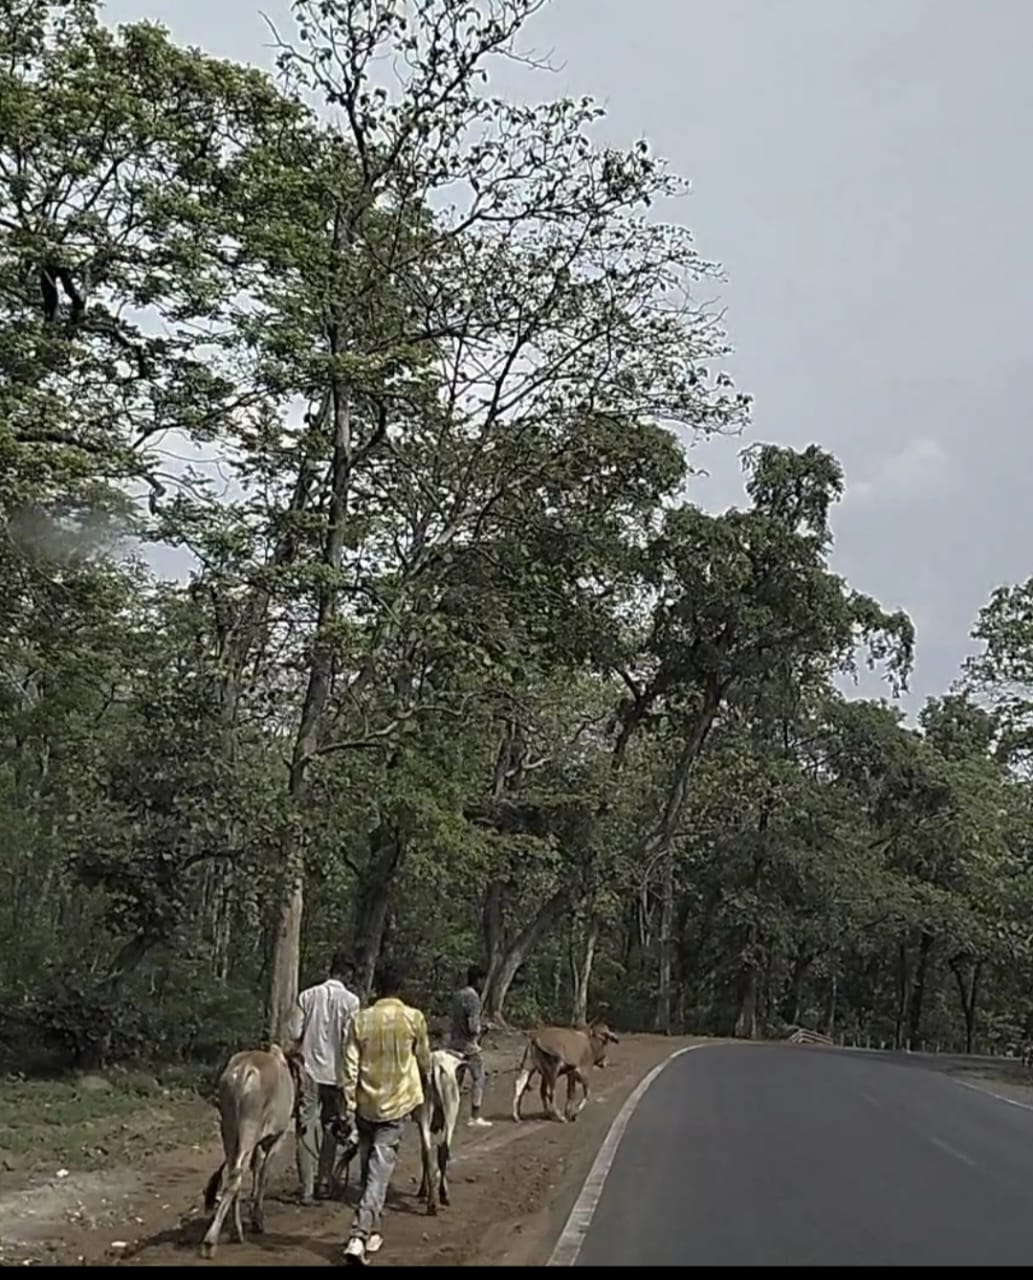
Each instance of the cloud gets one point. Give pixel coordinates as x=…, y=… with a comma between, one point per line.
x=919, y=468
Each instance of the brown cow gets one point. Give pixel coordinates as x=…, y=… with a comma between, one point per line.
x=562, y=1051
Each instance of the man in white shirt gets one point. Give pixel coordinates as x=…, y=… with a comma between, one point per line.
x=322, y=1020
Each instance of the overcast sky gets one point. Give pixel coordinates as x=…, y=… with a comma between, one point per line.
x=861, y=169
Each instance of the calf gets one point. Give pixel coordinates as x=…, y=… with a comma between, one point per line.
x=437, y=1118
x=562, y=1051
x=257, y=1097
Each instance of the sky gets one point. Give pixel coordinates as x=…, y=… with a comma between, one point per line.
x=860, y=169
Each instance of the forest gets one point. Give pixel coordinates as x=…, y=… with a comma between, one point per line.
x=404, y=374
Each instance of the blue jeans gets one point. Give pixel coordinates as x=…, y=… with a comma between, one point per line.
x=378, y=1154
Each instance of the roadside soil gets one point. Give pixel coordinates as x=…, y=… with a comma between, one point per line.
x=1003, y=1077
x=512, y=1187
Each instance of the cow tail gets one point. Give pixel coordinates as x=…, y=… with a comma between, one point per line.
x=211, y=1191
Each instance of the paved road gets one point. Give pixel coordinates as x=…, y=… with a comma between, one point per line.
x=777, y=1156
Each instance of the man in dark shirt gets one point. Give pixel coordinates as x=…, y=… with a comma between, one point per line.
x=465, y=1039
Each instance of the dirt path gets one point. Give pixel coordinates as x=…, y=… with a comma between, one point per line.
x=512, y=1188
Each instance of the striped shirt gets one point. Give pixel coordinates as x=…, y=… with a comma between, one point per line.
x=386, y=1049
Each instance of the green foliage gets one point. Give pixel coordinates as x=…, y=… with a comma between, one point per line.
x=457, y=672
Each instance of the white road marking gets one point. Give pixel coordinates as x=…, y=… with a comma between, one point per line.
x=572, y=1237
x=989, y=1093
x=964, y=1084
x=870, y=1097
x=953, y=1151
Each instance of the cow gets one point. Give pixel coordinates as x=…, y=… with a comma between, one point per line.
x=562, y=1051
x=257, y=1100
x=436, y=1118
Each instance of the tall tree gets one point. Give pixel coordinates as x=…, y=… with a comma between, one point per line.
x=453, y=353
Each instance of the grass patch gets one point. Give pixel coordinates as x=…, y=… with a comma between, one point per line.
x=92, y=1122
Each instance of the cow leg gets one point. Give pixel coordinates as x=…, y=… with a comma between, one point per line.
x=230, y=1194
x=575, y=1078
x=568, y=1106
x=584, y=1093
x=520, y=1088
x=450, y=1117
x=257, y=1217
x=341, y=1176
x=238, y=1225
x=428, y=1187
x=256, y=1156
x=552, y=1111
x=269, y=1146
x=443, y=1155
x=421, y=1126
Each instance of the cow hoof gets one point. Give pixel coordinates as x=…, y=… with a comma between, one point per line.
x=207, y=1249
x=445, y=1201
x=258, y=1226
x=432, y=1210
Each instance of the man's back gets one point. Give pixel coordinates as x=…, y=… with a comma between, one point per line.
x=466, y=1019
x=327, y=1011
x=386, y=1049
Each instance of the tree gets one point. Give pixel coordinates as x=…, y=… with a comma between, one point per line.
x=493, y=342
x=742, y=598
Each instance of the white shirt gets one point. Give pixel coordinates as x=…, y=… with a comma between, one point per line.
x=322, y=1019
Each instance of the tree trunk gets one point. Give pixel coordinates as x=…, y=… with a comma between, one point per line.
x=493, y=928
x=219, y=884
x=794, y=995
x=285, y=962
x=968, y=993
x=765, y=998
x=833, y=1001
x=903, y=977
x=973, y=1004
x=581, y=973
x=663, y=1002
x=516, y=952
x=286, y=958
x=373, y=903
x=746, y=1022
x=678, y=790
x=658, y=845
x=917, y=1002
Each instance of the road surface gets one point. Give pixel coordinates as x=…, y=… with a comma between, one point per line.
x=777, y=1156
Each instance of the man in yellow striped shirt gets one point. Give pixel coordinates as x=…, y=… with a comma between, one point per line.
x=386, y=1065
